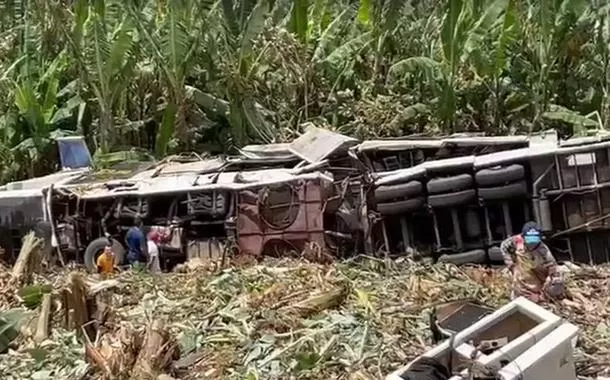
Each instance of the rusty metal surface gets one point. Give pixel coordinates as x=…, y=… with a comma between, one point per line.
x=305, y=216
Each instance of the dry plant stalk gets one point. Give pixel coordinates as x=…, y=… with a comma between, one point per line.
x=24, y=266
x=319, y=301
x=98, y=360
x=119, y=351
x=314, y=253
x=158, y=351
x=75, y=304
x=42, y=327
x=123, y=354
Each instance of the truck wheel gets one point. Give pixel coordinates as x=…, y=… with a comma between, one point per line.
x=477, y=256
x=447, y=184
x=512, y=190
x=499, y=175
x=451, y=199
x=400, y=207
x=495, y=254
x=403, y=190
x=96, y=247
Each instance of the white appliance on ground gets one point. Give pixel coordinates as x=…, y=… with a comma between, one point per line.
x=521, y=340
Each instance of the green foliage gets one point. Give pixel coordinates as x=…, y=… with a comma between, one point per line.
x=10, y=322
x=32, y=295
x=167, y=76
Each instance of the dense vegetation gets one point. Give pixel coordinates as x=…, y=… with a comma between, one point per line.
x=208, y=75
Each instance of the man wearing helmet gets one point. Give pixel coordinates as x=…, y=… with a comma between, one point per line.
x=533, y=267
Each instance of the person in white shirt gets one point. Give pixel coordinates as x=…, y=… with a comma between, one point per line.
x=153, y=251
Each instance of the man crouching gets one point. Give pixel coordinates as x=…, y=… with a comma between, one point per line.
x=533, y=267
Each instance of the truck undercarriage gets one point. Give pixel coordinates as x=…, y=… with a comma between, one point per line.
x=450, y=199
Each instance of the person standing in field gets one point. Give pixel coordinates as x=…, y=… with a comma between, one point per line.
x=153, y=241
x=533, y=267
x=105, y=261
x=136, y=244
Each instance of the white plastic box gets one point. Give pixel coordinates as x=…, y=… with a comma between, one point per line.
x=533, y=337
x=552, y=358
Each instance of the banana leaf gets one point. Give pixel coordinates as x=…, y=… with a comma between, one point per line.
x=32, y=295
x=10, y=322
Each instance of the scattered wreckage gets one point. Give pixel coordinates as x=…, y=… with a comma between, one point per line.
x=451, y=199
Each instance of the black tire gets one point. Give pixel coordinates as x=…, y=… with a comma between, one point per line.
x=403, y=190
x=448, y=184
x=499, y=175
x=477, y=256
x=512, y=190
x=495, y=254
x=97, y=246
x=451, y=199
x=400, y=207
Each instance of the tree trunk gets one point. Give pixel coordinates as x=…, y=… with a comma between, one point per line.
x=106, y=125
x=181, y=127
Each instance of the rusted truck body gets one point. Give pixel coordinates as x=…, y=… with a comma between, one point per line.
x=452, y=199
x=206, y=215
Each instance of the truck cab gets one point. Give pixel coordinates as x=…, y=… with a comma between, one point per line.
x=22, y=203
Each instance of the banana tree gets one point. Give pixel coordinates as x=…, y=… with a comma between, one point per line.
x=173, y=31
x=102, y=43
x=487, y=48
x=37, y=104
x=381, y=19
x=330, y=33
x=553, y=23
x=465, y=23
x=244, y=22
x=602, y=29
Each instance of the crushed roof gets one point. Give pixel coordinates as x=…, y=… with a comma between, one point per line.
x=188, y=182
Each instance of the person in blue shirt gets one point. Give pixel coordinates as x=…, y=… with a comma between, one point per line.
x=136, y=243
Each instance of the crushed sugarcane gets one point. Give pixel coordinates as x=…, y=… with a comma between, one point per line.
x=360, y=319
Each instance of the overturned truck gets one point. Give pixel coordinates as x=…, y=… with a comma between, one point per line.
x=265, y=200
x=460, y=208
x=450, y=199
